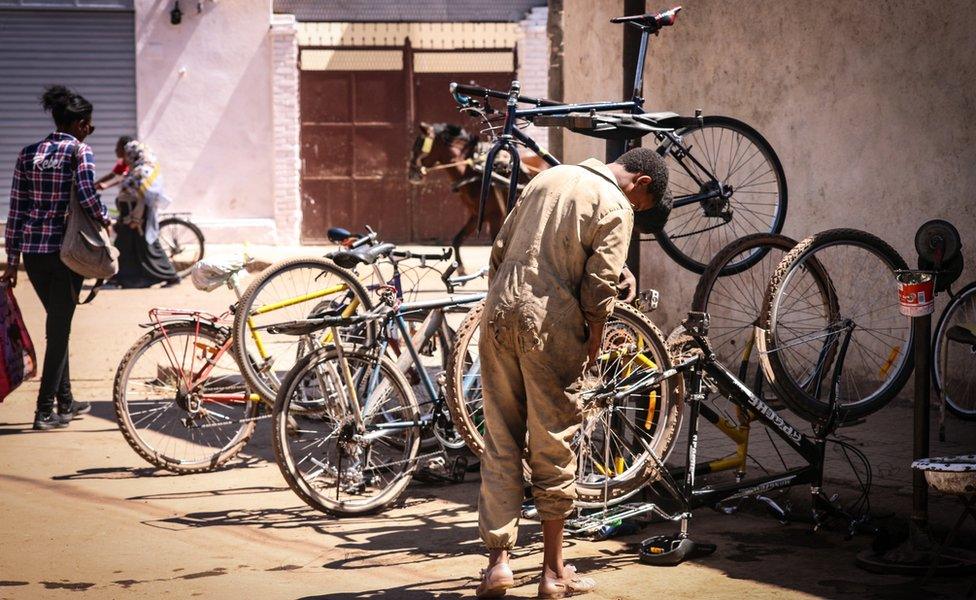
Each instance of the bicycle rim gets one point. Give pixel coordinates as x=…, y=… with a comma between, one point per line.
x=954, y=355
x=169, y=417
x=740, y=159
x=323, y=462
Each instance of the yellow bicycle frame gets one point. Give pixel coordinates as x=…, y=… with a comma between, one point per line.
x=336, y=289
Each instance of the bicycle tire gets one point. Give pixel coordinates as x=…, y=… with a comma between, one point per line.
x=939, y=346
x=283, y=455
x=172, y=222
x=717, y=271
x=263, y=385
x=791, y=392
x=130, y=431
x=699, y=264
x=588, y=495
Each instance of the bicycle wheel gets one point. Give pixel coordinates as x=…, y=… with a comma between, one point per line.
x=647, y=422
x=954, y=354
x=734, y=300
x=622, y=442
x=182, y=241
x=799, y=342
x=330, y=465
x=731, y=161
x=291, y=290
x=172, y=421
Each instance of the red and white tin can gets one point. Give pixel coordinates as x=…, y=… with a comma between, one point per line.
x=916, y=293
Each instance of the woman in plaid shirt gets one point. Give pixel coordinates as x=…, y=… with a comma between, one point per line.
x=39, y=199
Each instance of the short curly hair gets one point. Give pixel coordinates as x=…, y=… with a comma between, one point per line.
x=648, y=162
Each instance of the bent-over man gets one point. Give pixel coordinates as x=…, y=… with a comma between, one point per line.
x=553, y=279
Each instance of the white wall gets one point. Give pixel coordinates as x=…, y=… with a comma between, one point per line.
x=204, y=99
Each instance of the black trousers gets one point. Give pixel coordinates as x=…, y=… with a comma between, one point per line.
x=58, y=287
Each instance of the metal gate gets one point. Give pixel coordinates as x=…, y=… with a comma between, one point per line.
x=90, y=51
x=359, y=113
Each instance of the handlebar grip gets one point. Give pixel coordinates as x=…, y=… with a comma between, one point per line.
x=477, y=90
x=446, y=277
x=366, y=239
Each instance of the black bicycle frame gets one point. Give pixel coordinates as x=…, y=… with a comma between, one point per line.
x=732, y=388
x=510, y=134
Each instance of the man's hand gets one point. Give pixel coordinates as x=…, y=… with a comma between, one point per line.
x=626, y=286
x=9, y=276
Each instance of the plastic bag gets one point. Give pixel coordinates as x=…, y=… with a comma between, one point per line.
x=19, y=362
x=211, y=273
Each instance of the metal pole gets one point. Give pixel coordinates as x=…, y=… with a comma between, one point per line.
x=922, y=327
x=631, y=54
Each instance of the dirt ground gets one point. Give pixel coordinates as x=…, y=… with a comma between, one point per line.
x=81, y=514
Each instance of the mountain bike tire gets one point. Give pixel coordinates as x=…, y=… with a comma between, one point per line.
x=797, y=397
x=679, y=241
x=264, y=384
x=963, y=302
x=157, y=457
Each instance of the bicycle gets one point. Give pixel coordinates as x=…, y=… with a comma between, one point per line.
x=295, y=288
x=939, y=248
x=347, y=426
x=719, y=167
x=701, y=371
x=178, y=390
x=182, y=241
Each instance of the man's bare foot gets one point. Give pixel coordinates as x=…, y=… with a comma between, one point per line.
x=495, y=581
x=570, y=584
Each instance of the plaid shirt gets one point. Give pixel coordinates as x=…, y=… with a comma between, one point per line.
x=41, y=192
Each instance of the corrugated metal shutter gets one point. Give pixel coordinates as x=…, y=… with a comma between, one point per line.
x=92, y=52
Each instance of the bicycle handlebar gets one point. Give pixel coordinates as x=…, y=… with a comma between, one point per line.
x=404, y=254
x=463, y=90
x=651, y=21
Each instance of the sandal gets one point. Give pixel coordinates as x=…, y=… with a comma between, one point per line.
x=495, y=581
x=571, y=584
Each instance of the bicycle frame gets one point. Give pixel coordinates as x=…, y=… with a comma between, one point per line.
x=511, y=136
x=695, y=370
x=435, y=310
x=192, y=378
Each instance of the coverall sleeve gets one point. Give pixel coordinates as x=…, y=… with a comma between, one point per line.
x=611, y=240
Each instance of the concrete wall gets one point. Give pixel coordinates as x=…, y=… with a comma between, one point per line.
x=869, y=105
x=204, y=101
x=533, y=63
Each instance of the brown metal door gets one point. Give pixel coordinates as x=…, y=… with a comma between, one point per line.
x=354, y=153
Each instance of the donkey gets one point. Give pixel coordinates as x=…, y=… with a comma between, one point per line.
x=449, y=148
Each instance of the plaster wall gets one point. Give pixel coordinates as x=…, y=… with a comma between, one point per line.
x=869, y=106
x=204, y=100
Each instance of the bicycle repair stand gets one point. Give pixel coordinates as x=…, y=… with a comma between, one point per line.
x=937, y=243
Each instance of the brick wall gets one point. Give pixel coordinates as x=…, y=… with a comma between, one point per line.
x=287, y=158
x=533, y=59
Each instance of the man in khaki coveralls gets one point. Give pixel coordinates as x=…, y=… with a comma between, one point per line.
x=554, y=271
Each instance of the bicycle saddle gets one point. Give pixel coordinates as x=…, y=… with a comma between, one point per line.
x=338, y=235
x=348, y=259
